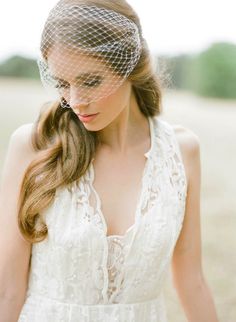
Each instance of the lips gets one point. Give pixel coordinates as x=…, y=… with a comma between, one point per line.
x=85, y=118
x=84, y=115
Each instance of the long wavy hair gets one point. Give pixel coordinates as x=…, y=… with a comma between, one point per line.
x=65, y=148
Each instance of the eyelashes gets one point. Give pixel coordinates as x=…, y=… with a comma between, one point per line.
x=93, y=82
x=60, y=85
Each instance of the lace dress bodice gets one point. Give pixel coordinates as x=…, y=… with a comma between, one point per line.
x=80, y=274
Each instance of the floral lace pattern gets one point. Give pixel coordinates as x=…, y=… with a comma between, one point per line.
x=79, y=274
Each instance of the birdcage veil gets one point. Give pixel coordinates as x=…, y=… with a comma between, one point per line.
x=87, y=51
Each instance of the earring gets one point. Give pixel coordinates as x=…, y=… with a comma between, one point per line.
x=64, y=103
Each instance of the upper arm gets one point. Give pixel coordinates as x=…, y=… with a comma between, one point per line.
x=14, y=250
x=186, y=261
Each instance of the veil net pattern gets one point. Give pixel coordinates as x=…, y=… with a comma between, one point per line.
x=87, y=52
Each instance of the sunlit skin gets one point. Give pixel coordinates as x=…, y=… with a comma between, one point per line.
x=119, y=120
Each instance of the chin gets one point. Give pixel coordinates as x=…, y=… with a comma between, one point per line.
x=93, y=127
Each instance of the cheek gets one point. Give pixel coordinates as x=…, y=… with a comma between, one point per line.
x=115, y=105
x=120, y=98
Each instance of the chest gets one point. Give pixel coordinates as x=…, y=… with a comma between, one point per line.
x=117, y=184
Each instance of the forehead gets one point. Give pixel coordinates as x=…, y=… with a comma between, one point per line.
x=67, y=64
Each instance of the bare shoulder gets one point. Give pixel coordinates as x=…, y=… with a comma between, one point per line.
x=189, y=144
x=20, y=150
x=188, y=140
x=23, y=134
x=21, y=140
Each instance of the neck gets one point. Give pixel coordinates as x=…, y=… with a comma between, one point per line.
x=127, y=131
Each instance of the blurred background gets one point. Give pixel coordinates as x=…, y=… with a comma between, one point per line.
x=193, y=45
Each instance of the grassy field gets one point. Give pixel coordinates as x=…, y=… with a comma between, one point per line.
x=214, y=121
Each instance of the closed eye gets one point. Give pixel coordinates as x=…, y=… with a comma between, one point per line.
x=93, y=82
x=85, y=81
x=62, y=85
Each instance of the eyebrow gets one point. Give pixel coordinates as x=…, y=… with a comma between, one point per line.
x=82, y=76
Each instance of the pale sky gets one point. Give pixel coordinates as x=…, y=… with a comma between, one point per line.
x=170, y=27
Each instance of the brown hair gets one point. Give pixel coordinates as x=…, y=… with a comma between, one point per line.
x=65, y=147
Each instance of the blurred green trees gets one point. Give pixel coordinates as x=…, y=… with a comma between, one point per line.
x=211, y=72
x=18, y=66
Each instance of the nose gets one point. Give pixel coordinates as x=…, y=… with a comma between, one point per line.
x=77, y=100
x=79, y=107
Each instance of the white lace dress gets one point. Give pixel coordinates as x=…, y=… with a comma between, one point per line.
x=79, y=274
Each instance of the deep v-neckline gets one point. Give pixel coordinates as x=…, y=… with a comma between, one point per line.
x=144, y=187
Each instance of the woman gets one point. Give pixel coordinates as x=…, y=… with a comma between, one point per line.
x=106, y=194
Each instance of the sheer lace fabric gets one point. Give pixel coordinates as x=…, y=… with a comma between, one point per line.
x=80, y=274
